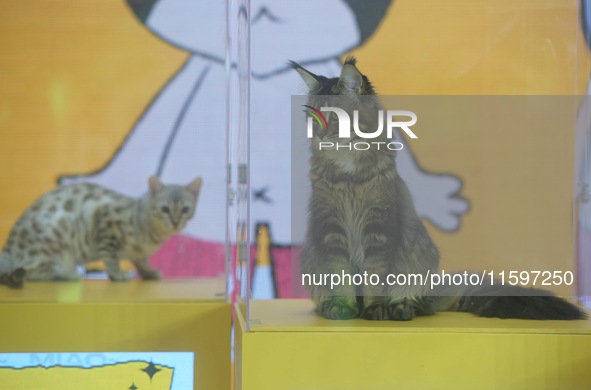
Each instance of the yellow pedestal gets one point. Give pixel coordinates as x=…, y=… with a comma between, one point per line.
x=102, y=316
x=290, y=348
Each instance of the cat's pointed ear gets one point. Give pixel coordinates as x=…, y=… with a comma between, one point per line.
x=351, y=79
x=309, y=78
x=155, y=185
x=195, y=186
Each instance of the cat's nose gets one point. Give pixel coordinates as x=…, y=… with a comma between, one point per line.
x=176, y=224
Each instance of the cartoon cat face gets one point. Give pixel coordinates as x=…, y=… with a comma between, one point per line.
x=304, y=30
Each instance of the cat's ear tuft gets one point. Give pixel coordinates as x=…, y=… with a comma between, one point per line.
x=351, y=78
x=350, y=60
x=309, y=78
x=155, y=185
x=195, y=186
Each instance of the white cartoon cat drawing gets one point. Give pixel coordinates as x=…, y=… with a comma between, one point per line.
x=182, y=131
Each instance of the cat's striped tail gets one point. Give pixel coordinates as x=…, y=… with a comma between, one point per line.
x=506, y=301
x=12, y=277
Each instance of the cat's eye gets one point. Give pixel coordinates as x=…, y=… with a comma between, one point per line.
x=185, y=210
x=165, y=209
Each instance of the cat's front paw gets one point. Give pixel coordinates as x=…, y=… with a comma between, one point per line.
x=119, y=276
x=376, y=311
x=338, y=308
x=151, y=274
x=401, y=310
x=15, y=279
x=71, y=276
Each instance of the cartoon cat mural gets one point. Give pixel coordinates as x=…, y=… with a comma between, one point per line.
x=182, y=130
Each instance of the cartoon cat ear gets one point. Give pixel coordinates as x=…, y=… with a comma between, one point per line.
x=155, y=185
x=351, y=78
x=309, y=78
x=195, y=186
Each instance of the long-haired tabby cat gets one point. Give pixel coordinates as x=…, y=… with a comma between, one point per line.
x=79, y=223
x=362, y=219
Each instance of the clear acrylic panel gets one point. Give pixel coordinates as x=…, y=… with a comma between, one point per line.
x=583, y=163
x=492, y=174
x=238, y=84
x=582, y=193
x=111, y=93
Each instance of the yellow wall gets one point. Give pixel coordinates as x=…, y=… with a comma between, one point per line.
x=477, y=47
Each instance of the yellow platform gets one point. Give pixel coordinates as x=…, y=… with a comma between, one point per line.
x=101, y=316
x=290, y=348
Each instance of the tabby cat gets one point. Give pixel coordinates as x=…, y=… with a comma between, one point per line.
x=78, y=223
x=362, y=219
